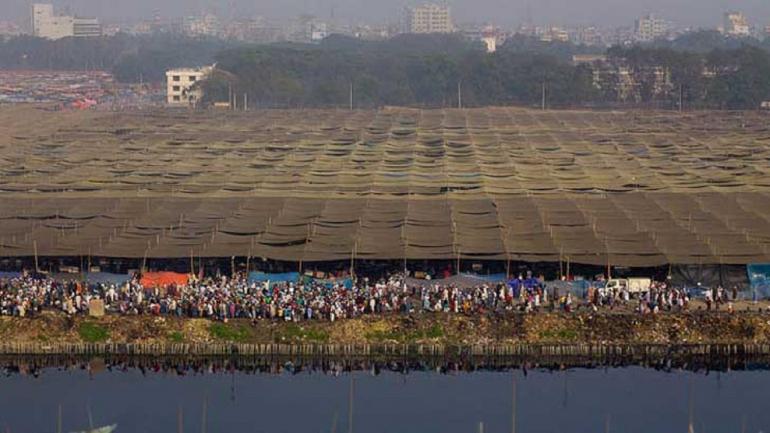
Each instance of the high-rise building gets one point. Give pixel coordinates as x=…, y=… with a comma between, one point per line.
x=736, y=24
x=46, y=24
x=649, y=28
x=429, y=18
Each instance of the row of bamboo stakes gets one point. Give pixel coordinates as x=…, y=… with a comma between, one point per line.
x=379, y=350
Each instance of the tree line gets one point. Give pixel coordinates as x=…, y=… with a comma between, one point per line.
x=698, y=70
x=442, y=71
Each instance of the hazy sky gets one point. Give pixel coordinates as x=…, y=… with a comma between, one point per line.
x=698, y=13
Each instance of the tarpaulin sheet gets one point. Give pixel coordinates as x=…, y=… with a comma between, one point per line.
x=329, y=283
x=273, y=278
x=463, y=281
x=9, y=275
x=163, y=279
x=600, y=188
x=759, y=276
x=491, y=278
x=107, y=278
x=713, y=276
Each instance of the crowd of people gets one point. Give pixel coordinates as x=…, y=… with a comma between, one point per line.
x=224, y=298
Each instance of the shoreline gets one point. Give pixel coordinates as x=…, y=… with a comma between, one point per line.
x=538, y=335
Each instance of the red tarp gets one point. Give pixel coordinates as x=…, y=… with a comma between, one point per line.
x=163, y=279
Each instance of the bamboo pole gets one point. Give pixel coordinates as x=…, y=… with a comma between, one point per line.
x=179, y=420
x=350, y=405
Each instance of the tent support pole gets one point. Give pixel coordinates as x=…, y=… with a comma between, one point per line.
x=144, y=262
x=192, y=262
x=508, y=269
x=34, y=247
x=457, y=270
x=567, y=268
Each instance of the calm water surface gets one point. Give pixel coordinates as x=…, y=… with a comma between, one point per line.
x=582, y=400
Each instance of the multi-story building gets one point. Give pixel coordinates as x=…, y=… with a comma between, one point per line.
x=736, y=24
x=649, y=28
x=429, y=18
x=181, y=85
x=46, y=24
x=203, y=25
x=590, y=36
x=554, y=34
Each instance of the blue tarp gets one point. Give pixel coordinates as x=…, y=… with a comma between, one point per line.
x=9, y=275
x=346, y=282
x=107, y=278
x=759, y=279
x=93, y=278
x=261, y=277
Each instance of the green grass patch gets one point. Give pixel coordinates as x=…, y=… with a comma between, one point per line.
x=434, y=332
x=176, y=337
x=559, y=334
x=93, y=332
x=222, y=331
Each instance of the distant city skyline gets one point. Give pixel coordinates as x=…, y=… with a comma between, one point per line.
x=685, y=13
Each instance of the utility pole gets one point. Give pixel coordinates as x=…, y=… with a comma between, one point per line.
x=351, y=95
x=542, y=103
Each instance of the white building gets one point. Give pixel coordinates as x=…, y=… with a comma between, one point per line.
x=429, y=18
x=649, y=28
x=46, y=24
x=736, y=24
x=181, y=89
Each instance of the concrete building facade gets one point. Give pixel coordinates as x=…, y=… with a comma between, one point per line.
x=46, y=24
x=648, y=28
x=429, y=18
x=181, y=89
x=736, y=24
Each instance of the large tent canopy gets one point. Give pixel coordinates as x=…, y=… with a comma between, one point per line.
x=631, y=189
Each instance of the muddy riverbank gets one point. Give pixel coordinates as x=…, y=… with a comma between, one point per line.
x=697, y=328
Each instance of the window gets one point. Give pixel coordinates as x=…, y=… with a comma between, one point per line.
x=192, y=79
x=176, y=78
x=176, y=98
x=176, y=88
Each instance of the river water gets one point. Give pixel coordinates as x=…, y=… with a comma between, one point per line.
x=628, y=399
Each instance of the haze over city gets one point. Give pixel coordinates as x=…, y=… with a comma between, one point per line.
x=696, y=13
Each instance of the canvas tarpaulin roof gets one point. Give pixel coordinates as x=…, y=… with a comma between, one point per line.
x=632, y=189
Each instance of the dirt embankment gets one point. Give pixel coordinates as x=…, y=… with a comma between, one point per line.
x=704, y=328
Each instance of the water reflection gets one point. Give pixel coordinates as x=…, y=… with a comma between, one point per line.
x=278, y=365
x=386, y=395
